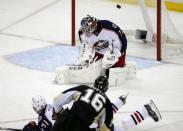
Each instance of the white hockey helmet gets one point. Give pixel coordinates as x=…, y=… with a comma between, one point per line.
x=38, y=103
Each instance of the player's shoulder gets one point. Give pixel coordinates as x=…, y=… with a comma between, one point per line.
x=79, y=88
x=108, y=24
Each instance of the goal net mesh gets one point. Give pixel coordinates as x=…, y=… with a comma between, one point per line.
x=130, y=17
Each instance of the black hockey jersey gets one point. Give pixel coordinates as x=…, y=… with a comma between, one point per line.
x=90, y=104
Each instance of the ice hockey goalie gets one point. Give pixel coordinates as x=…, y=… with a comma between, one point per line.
x=88, y=68
x=102, y=51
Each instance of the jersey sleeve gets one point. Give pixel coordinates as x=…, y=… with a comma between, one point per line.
x=49, y=113
x=62, y=99
x=109, y=114
x=117, y=35
x=67, y=96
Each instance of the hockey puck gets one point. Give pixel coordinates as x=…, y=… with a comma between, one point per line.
x=118, y=6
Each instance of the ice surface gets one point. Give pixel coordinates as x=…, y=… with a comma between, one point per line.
x=162, y=82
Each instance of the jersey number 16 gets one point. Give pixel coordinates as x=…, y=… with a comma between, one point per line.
x=97, y=101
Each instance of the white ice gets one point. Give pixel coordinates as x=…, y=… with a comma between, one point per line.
x=26, y=25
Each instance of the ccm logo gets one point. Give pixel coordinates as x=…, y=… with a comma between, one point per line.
x=75, y=68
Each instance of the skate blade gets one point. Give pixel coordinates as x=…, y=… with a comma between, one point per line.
x=152, y=104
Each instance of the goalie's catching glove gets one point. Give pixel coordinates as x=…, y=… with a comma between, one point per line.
x=86, y=55
x=109, y=60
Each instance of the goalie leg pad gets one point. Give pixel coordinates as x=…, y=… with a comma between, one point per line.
x=117, y=76
x=60, y=75
x=131, y=70
x=78, y=74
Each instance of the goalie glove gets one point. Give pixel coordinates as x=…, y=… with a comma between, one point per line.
x=109, y=60
x=86, y=54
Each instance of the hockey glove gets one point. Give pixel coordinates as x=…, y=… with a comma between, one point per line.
x=31, y=126
x=109, y=60
x=55, y=115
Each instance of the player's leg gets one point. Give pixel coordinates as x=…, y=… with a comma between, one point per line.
x=148, y=110
x=119, y=102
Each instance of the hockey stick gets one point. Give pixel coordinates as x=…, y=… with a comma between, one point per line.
x=111, y=50
x=9, y=129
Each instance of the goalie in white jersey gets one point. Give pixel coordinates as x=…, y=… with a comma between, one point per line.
x=99, y=35
x=102, y=51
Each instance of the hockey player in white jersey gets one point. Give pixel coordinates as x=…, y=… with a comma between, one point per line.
x=98, y=35
x=102, y=51
x=45, y=112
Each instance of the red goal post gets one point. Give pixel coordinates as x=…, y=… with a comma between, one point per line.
x=160, y=37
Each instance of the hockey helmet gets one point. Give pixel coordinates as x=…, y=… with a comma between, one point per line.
x=38, y=103
x=88, y=25
x=101, y=83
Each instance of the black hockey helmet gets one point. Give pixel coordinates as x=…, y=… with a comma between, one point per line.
x=101, y=83
x=88, y=25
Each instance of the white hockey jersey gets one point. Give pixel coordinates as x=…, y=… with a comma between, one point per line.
x=105, y=34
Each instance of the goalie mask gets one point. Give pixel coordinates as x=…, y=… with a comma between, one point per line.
x=88, y=25
x=38, y=103
x=101, y=83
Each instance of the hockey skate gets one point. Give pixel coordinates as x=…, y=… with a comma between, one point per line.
x=153, y=111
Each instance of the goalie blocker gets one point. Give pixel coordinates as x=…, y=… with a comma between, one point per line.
x=79, y=74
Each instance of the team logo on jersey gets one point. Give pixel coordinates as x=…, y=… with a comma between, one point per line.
x=101, y=44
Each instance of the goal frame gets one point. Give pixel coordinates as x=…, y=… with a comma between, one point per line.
x=158, y=38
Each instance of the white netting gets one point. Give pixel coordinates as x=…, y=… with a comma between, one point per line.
x=130, y=17
x=171, y=38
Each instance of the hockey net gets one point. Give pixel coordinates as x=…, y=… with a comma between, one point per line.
x=133, y=15
x=171, y=38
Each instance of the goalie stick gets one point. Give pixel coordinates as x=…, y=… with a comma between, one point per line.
x=111, y=49
x=9, y=129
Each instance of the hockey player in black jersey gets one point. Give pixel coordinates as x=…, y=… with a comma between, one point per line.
x=88, y=106
x=89, y=110
x=45, y=112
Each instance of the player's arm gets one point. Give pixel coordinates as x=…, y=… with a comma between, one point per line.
x=109, y=115
x=67, y=96
x=62, y=99
x=49, y=114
